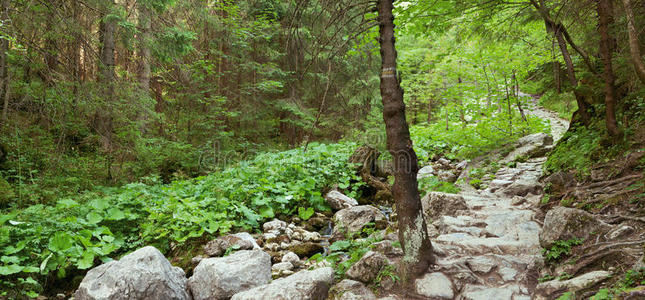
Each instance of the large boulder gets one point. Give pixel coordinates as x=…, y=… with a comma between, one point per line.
x=305, y=285
x=437, y=204
x=338, y=200
x=368, y=267
x=435, y=286
x=353, y=219
x=351, y=290
x=241, y=241
x=221, y=278
x=142, y=274
x=562, y=223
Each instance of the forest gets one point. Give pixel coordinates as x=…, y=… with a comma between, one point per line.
x=314, y=149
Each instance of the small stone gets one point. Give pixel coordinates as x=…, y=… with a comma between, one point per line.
x=351, y=290
x=368, y=267
x=435, y=285
x=276, y=224
x=481, y=264
x=508, y=274
x=291, y=258
x=307, y=249
x=517, y=200
x=283, y=266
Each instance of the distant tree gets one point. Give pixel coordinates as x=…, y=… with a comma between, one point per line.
x=605, y=10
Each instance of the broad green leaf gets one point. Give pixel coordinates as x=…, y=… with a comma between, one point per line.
x=94, y=217
x=115, y=214
x=10, y=269
x=60, y=242
x=86, y=261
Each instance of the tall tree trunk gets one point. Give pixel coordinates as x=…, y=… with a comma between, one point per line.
x=4, y=66
x=634, y=47
x=144, y=49
x=144, y=63
x=605, y=10
x=412, y=225
x=106, y=74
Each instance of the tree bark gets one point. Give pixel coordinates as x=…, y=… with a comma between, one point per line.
x=634, y=47
x=107, y=76
x=413, y=233
x=583, y=107
x=144, y=49
x=605, y=20
x=4, y=66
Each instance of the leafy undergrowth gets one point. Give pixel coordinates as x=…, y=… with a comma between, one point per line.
x=466, y=141
x=45, y=243
x=564, y=104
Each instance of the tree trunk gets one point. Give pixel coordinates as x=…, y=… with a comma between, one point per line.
x=107, y=76
x=634, y=47
x=4, y=66
x=144, y=49
x=583, y=107
x=605, y=20
x=412, y=225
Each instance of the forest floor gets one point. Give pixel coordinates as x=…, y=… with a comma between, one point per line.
x=490, y=249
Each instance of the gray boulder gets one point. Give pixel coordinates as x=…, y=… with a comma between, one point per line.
x=562, y=223
x=241, y=241
x=437, y=204
x=522, y=188
x=305, y=285
x=351, y=290
x=338, y=200
x=221, y=278
x=435, y=286
x=353, y=219
x=142, y=274
x=368, y=267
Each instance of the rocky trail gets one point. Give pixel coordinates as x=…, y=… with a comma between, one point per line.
x=487, y=241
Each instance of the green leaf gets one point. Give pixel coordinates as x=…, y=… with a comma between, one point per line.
x=100, y=204
x=10, y=269
x=305, y=214
x=94, y=217
x=60, y=242
x=340, y=245
x=86, y=261
x=266, y=212
x=115, y=214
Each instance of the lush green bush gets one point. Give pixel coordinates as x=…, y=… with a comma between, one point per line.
x=47, y=240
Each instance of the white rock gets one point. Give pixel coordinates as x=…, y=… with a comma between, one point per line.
x=481, y=264
x=508, y=274
x=275, y=225
x=435, y=285
x=221, y=278
x=282, y=266
x=142, y=274
x=426, y=171
x=338, y=200
x=305, y=285
x=291, y=258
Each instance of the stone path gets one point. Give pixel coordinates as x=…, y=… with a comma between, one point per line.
x=490, y=250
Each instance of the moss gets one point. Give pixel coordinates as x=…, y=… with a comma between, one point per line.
x=307, y=249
